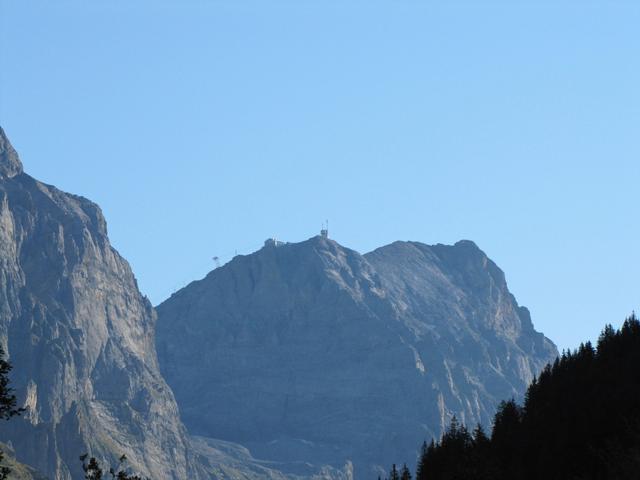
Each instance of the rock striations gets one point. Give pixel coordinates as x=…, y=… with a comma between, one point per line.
x=81, y=338
x=312, y=352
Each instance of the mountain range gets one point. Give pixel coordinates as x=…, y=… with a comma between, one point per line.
x=301, y=360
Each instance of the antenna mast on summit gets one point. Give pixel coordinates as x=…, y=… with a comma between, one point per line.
x=325, y=229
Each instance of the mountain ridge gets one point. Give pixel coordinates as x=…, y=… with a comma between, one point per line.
x=318, y=329
x=322, y=361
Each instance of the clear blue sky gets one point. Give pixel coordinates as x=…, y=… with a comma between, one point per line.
x=203, y=127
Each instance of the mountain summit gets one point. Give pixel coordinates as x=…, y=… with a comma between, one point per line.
x=10, y=164
x=312, y=352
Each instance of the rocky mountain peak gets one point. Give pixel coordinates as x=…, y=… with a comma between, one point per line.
x=333, y=342
x=470, y=244
x=10, y=164
x=315, y=254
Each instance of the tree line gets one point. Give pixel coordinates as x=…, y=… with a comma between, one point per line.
x=580, y=420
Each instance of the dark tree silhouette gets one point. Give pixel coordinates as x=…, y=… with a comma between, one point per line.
x=421, y=473
x=7, y=404
x=405, y=474
x=93, y=470
x=394, y=475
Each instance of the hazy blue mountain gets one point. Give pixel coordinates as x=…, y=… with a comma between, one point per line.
x=311, y=352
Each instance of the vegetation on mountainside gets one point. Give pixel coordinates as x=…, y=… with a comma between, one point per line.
x=93, y=470
x=8, y=408
x=580, y=420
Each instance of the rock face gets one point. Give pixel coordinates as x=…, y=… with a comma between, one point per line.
x=312, y=352
x=10, y=164
x=81, y=339
x=19, y=471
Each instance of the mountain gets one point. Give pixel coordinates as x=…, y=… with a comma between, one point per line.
x=312, y=352
x=319, y=361
x=81, y=339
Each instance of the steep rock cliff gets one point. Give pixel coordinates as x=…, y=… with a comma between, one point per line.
x=81, y=338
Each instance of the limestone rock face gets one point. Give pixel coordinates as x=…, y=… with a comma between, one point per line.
x=81, y=339
x=311, y=352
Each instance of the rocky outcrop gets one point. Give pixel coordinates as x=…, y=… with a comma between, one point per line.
x=313, y=352
x=81, y=338
x=230, y=461
x=10, y=164
x=18, y=471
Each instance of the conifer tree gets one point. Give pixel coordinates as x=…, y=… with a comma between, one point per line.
x=405, y=474
x=394, y=475
x=8, y=407
x=421, y=473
